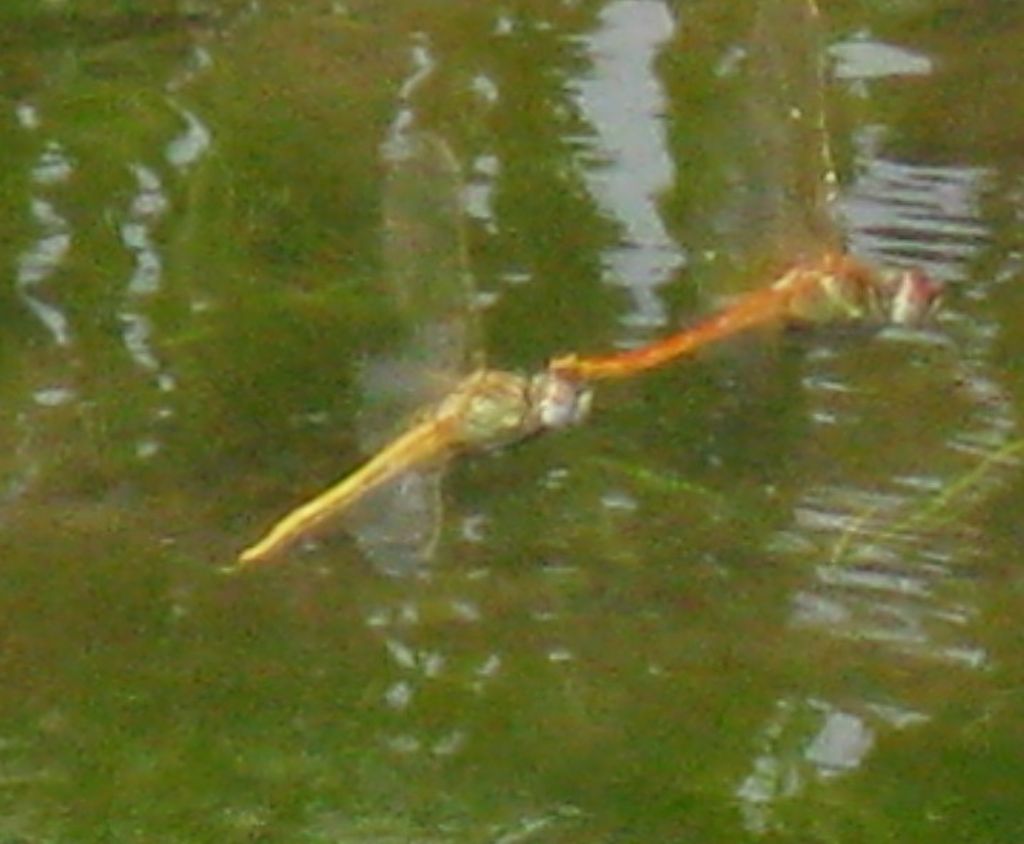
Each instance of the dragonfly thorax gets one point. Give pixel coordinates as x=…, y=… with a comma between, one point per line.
x=493, y=408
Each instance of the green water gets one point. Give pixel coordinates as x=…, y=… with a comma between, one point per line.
x=771, y=594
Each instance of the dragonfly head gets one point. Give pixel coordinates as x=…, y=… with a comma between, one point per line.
x=558, y=400
x=911, y=296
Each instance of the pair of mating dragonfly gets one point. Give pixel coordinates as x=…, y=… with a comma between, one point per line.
x=492, y=408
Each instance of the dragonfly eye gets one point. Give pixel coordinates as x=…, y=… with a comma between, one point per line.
x=911, y=296
x=559, y=401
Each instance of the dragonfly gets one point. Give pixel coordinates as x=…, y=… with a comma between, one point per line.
x=492, y=408
x=836, y=288
x=787, y=209
x=487, y=409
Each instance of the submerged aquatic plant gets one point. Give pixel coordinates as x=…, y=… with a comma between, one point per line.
x=938, y=509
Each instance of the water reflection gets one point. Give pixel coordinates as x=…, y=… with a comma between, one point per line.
x=186, y=149
x=426, y=280
x=628, y=165
x=887, y=539
x=43, y=260
x=147, y=206
x=747, y=600
x=927, y=215
x=861, y=59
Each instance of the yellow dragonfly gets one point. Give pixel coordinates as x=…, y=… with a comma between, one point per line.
x=425, y=269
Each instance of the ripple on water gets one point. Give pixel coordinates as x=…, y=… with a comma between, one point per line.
x=889, y=541
x=147, y=207
x=912, y=213
x=186, y=149
x=863, y=58
x=41, y=262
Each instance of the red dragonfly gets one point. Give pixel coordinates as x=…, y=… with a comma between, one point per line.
x=789, y=176
x=836, y=288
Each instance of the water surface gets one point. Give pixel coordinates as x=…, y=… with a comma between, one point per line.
x=769, y=594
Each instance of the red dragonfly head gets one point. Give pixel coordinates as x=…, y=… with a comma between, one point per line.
x=558, y=400
x=911, y=295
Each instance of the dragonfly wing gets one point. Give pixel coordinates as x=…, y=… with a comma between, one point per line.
x=791, y=160
x=424, y=252
x=426, y=280
x=397, y=526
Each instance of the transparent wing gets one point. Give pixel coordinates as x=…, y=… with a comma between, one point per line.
x=792, y=176
x=426, y=278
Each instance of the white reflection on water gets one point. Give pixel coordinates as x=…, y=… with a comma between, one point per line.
x=863, y=58
x=895, y=460
x=39, y=263
x=194, y=141
x=42, y=261
x=808, y=740
x=190, y=145
x=889, y=541
x=912, y=213
x=146, y=209
x=147, y=206
x=27, y=116
x=427, y=283
x=630, y=164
